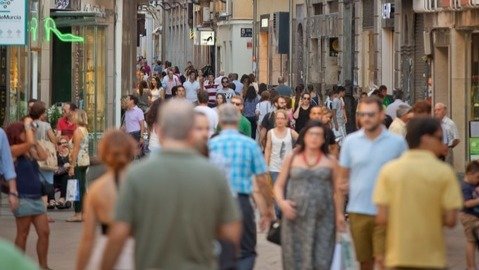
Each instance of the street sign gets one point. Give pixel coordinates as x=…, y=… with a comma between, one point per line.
x=247, y=32
x=13, y=18
x=207, y=38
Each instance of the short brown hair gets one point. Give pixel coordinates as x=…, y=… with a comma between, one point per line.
x=37, y=110
x=373, y=100
x=472, y=167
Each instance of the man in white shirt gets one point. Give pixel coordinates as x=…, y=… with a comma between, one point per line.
x=239, y=86
x=398, y=126
x=192, y=87
x=170, y=81
x=226, y=90
x=398, y=101
x=449, y=129
x=218, y=79
x=209, y=112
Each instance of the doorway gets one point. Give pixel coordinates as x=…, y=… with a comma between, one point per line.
x=61, y=68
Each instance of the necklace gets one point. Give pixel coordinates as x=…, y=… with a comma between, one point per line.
x=318, y=159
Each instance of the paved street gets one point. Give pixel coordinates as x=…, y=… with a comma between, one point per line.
x=65, y=236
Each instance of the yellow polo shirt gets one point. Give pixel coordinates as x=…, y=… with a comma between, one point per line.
x=417, y=188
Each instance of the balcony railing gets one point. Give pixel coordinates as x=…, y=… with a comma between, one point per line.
x=422, y=6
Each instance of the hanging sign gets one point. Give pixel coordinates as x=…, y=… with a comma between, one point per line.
x=13, y=19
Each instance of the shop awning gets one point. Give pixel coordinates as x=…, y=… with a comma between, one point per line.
x=64, y=18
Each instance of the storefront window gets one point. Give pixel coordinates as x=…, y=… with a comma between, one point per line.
x=475, y=77
x=91, y=95
x=18, y=88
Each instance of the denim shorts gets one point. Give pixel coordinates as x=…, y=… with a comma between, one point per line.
x=29, y=207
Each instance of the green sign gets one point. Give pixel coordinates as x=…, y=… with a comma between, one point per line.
x=51, y=28
x=474, y=146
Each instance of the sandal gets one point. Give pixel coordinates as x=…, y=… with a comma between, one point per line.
x=60, y=204
x=75, y=219
x=51, y=205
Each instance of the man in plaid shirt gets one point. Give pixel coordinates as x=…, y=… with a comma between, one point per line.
x=244, y=160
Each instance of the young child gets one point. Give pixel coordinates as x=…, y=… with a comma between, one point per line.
x=469, y=215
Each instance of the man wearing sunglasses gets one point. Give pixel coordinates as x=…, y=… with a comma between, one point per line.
x=363, y=154
x=417, y=196
x=226, y=90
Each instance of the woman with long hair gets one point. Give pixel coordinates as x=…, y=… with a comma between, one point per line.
x=309, y=209
x=279, y=142
x=252, y=79
x=246, y=81
x=250, y=101
x=142, y=93
x=151, y=118
x=31, y=208
x=116, y=150
x=220, y=100
x=79, y=159
x=156, y=90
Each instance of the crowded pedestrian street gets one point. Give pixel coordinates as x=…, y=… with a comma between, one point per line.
x=67, y=235
x=239, y=135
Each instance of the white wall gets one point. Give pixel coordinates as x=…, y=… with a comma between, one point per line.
x=235, y=57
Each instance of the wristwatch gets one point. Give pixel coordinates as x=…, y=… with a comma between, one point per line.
x=15, y=194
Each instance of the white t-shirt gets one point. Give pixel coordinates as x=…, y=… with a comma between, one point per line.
x=212, y=116
x=228, y=92
x=191, y=90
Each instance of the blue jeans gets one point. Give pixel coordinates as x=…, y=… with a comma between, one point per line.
x=246, y=263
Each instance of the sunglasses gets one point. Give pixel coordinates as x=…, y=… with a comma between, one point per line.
x=236, y=103
x=62, y=143
x=368, y=114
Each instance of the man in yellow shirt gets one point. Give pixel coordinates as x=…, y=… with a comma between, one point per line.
x=416, y=196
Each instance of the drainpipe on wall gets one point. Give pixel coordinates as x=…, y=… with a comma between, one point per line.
x=118, y=60
x=255, y=39
x=308, y=31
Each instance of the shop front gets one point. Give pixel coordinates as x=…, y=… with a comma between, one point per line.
x=87, y=82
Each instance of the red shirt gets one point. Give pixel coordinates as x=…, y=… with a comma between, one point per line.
x=65, y=127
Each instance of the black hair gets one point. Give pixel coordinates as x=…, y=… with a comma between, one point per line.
x=134, y=98
x=261, y=88
x=250, y=93
x=418, y=127
x=309, y=125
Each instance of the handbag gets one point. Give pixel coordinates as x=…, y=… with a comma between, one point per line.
x=274, y=232
x=51, y=163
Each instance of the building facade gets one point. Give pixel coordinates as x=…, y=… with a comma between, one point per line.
x=452, y=47
x=69, y=56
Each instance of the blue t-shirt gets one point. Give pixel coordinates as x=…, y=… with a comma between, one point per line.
x=469, y=193
x=364, y=158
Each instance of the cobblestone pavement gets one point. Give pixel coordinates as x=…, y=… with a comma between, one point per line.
x=65, y=236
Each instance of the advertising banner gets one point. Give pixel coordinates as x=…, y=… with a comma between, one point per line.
x=13, y=21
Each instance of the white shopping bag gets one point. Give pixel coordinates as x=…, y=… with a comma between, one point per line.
x=344, y=253
x=73, y=190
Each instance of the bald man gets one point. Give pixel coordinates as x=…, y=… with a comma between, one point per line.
x=450, y=133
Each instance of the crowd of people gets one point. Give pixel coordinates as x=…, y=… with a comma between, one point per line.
x=214, y=150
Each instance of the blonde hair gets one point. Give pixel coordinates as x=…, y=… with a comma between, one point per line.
x=282, y=112
x=81, y=118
